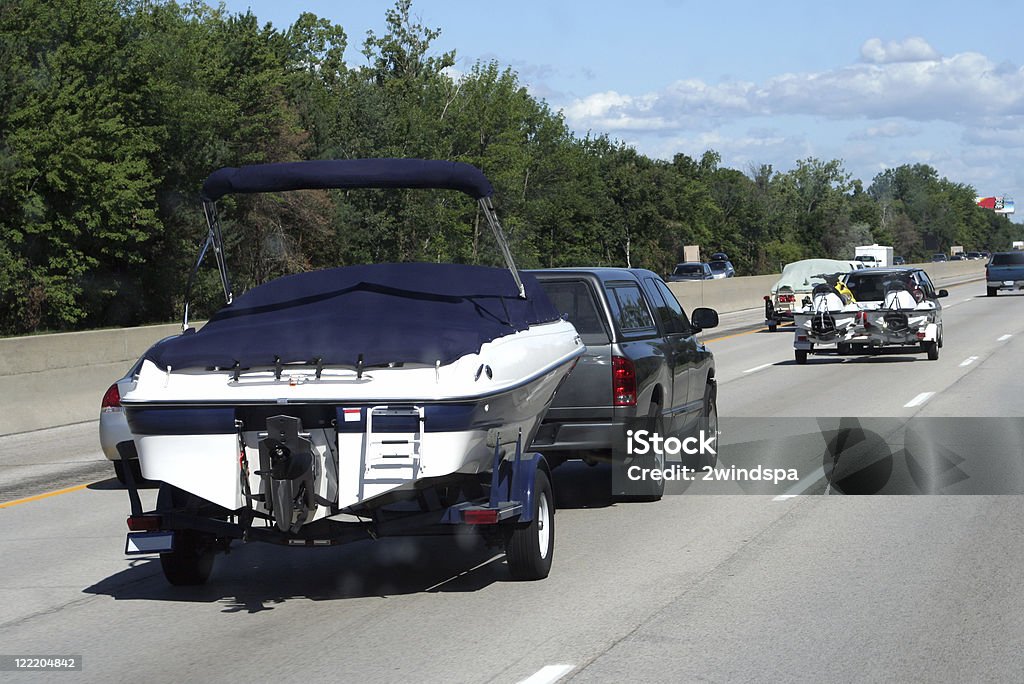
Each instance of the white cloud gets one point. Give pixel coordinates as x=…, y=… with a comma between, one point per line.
x=912, y=49
x=959, y=89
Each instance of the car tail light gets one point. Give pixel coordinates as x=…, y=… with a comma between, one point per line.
x=623, y=382
x=111, y=400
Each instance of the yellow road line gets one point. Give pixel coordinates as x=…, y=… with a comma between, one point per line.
x=37, y=497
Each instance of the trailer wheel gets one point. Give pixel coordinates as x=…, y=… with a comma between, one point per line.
x=800, y=355
x=191, y=561
x=933, y=350
x=531, y=545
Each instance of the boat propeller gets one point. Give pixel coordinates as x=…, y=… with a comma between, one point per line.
x=286, y=466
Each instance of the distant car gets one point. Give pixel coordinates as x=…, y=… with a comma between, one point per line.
x=869, y=260
x=114, y=426
x=939, y=257
x=795, y=285
x=958, y=257
x=898, y=261
x=719, y=256
x=975, y=255
x=114, y=430
x=691, y=270
x=722, y=269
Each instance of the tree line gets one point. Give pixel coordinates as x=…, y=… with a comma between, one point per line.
x=112, y=112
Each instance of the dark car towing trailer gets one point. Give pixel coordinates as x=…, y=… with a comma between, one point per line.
x=512, y=506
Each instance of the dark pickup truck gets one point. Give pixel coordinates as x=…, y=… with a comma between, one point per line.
x=1005, y=271
x=643, y=360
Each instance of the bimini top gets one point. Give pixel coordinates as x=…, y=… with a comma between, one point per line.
x=348, y=173
x=384, y=313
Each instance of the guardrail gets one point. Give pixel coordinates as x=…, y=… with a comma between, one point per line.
x=60, y=378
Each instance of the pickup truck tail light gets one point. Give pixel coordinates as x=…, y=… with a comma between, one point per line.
x=623, y=382
x=111, y=400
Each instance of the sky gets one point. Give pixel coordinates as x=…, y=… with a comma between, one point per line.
x=874, y=84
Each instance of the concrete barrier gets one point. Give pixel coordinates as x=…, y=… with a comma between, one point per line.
x=59, y=379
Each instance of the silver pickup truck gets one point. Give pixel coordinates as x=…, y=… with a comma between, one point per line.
x=1005, y=271
x=643, y=360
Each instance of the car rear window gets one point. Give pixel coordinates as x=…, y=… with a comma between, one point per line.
x=870, y=287
x=575, y=300
x=629, y=308
x=689, y=269
x=1008, y=259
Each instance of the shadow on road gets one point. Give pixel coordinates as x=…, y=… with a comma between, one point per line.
x=257, y=577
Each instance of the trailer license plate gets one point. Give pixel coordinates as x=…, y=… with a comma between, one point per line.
x=148, y=542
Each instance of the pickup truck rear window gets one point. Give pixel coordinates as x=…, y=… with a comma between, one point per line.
x=629, y=308
x=575, y=299
x=1008, y=259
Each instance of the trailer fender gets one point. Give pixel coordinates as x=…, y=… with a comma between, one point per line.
x=518, y=480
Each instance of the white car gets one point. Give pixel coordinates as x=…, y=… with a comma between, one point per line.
x=114, y=427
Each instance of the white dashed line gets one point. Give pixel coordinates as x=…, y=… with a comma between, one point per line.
x=919, y=399
x=757, y=368
x=803, y=485
x=548, y=674
x=1004, y=338
x=968, y=361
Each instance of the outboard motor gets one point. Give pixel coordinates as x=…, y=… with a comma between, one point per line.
x=286, y=466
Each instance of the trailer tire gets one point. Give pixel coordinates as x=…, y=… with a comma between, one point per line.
x=932, y=348
x=531, y=545
x=800, y=355
x=191, y=561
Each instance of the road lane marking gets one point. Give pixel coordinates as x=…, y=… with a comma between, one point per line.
x=757, y=368
x=967, y=300
x=1004, y=338
x=37, y=497
x=919, y=399
x=802, y=486
x=729, y=337
x=548, y=674
x=968, y=361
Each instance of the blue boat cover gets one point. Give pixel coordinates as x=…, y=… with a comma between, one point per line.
x=348, y=173
x=388, y=313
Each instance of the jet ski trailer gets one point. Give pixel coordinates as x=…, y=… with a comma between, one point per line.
x=351, y=403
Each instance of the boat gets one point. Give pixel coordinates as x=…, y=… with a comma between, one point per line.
x=338, y=392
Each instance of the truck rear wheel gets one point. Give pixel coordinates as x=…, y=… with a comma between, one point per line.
x=992, y=291
x=531, y=545
x=800, y=355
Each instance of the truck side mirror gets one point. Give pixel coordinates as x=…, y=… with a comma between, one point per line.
x=943, y=293
x=704, y=318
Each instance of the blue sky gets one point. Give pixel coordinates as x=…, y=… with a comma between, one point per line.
x=876, y=84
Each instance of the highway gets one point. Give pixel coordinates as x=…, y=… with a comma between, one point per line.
x=734, y=581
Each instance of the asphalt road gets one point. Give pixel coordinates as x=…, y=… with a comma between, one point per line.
x=733, y=587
